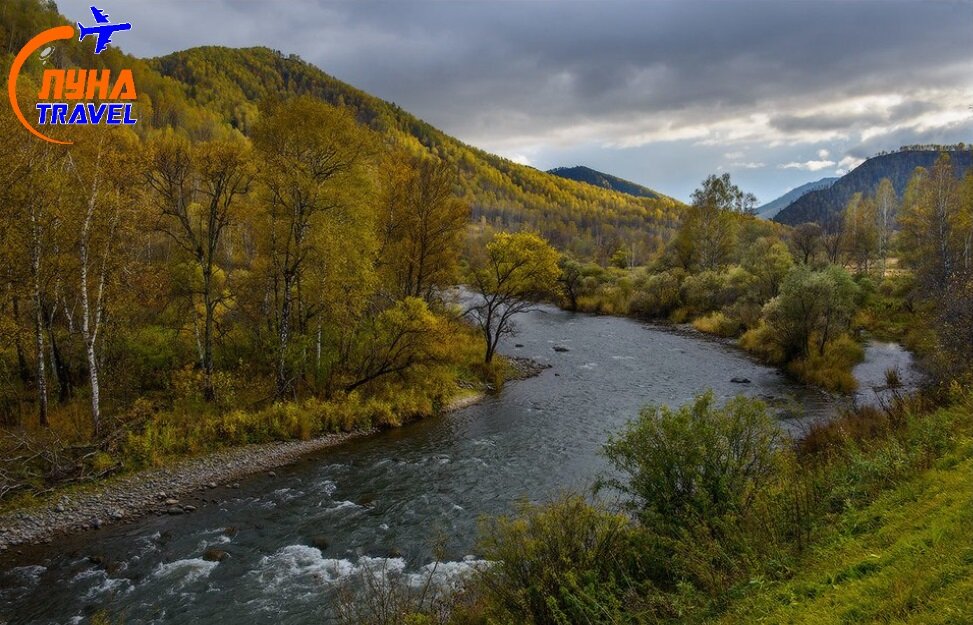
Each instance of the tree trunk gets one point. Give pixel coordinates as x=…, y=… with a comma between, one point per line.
x=23, y=368
x=209, y=393
x=38, y=319
x=283, y=338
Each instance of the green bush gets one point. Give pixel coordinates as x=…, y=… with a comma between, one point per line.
x=657, y=295
x=569, y=562
x=698, y=464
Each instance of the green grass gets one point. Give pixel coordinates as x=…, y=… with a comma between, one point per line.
x=905, y=558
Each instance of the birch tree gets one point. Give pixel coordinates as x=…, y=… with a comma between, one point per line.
x=886, y=203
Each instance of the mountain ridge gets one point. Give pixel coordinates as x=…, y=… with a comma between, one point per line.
x=825, y=206
x=771, y=208
x=583, y=173
x=199, y=90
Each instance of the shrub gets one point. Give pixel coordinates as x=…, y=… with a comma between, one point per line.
x=719, y=324
x=704, y=292
x=699, y=464
x=832, y=369
x=567, y=562
x=657, y=295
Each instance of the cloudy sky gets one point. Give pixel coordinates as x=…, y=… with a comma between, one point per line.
x=775, y=92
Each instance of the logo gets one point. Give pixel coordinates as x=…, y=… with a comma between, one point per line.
x=105, y=98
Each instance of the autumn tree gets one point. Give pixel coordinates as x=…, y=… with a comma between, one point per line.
x=886, y=209
x=812, y=305
x=421, y=223
x=198, y=189
x=570, y=280
x=399, y=338
x=707, y=237
x=101, y=169
x=313, y=159
x=509, y=276
x=935, y=227
x=861, y=231
x=768, y=260
x=30, y=193
x=806, y=240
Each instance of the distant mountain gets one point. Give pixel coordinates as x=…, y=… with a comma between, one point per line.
x=825, y=205
x=605, y=181
x=770, y=209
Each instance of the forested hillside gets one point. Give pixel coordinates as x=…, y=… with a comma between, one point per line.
x=588, y=221
x=825, y=206
x=605, y=181
x=189, y=89
x=771, y=208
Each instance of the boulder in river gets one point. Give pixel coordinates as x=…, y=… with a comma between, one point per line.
x=319, y=542
x=212, y=554
x=740, y=380
x=561, y=348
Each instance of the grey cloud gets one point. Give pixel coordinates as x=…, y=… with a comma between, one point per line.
x=515, y=73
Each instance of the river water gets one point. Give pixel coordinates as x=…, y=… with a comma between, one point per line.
x=395, y=499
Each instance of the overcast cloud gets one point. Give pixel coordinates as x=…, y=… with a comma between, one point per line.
x=663, y=93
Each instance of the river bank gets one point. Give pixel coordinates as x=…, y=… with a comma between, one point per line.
x=187, y=483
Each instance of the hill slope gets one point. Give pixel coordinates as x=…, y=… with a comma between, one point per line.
x=906, y=558
x=603, y=180
x=195, y=89
x=825, y=205
x=770, y=209
x=584, y=219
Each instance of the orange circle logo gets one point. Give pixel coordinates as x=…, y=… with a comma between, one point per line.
x=46, y=37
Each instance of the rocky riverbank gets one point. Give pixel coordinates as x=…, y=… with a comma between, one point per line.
x=178, y=488
x=154, y=491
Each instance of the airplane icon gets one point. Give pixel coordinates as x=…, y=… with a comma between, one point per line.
x=104, y=31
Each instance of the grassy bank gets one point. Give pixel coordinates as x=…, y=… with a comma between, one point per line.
x=905, y=558
x=718, y=521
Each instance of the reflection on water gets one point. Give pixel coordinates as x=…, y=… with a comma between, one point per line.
x=389, y=500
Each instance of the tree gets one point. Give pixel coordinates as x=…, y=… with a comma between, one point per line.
x=811, y=304
x=769, y=261
x=30, y=194
x=312, y=160
x=514, y=271
x=399, y=338
x=886, y=204
x=699, y=465
x=102, y=168
x=421, y=223
x=861, y=231
x=807, y=241
x=571, y=279
x=932, y=226
x=197, y=190
x=707, y=236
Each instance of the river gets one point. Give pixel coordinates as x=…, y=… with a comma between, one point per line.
x=391, y=500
